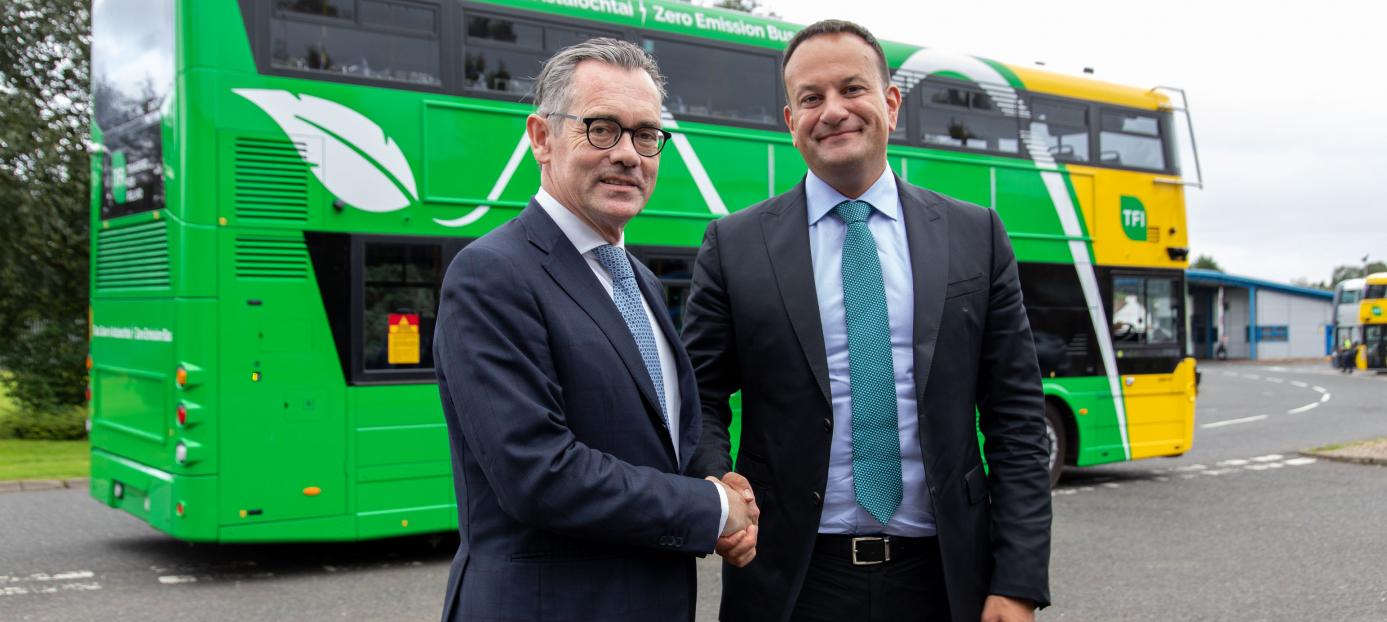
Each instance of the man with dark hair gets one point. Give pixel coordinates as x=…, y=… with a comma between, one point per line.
x=873, y=328
x=571, y=409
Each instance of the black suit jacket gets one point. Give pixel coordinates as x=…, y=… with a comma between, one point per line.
x=753, y=325
x=569, y=502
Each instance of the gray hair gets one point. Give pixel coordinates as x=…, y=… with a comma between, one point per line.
x=554, y=85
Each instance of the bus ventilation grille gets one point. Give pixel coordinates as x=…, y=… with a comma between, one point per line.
x=271, y=180
x=133, y=257
x=271, y=257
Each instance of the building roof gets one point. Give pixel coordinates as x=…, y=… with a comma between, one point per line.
x=1212, y=277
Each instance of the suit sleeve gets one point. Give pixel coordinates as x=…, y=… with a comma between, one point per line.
x=1011, y=411
x=712, y=348
x=495, y=360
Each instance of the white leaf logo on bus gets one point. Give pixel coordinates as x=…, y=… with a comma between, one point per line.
x=368, y=172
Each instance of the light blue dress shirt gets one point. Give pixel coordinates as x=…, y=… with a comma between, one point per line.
x=841, y=512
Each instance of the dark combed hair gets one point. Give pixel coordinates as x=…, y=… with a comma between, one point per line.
x=834, y=27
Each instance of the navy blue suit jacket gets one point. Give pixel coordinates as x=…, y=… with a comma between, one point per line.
x=570, y=505
x=753, y=325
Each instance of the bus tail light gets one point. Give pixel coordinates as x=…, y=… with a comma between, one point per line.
x=188, y=375
x=187, y=453
x=178, y=509
x=182, y=415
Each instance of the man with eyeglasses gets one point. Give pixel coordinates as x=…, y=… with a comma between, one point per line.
x=570, y=402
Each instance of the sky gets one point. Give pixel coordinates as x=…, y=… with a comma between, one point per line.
x=1288, y=101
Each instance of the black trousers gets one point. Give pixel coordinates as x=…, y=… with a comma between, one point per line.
x=908, y=589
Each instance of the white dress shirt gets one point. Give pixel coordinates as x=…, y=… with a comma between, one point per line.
x=585, y=239
x=841, y=512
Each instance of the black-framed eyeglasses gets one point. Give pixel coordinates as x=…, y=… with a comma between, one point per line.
x=604, y=133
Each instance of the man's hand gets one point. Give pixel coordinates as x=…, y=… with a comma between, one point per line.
x=999, y=608
x=738, y=542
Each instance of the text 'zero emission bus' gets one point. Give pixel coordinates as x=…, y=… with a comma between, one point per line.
x=280, y=184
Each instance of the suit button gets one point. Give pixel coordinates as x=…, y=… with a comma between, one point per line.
x=818, y=499
x=828, y=424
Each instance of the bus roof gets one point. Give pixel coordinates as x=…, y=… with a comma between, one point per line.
x=682, y=18
x=1377, y=278
x=1348, y=285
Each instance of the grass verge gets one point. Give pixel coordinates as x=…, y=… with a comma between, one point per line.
x=22, y=459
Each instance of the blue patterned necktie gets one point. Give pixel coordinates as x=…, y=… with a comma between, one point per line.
x=876, y=437
x=627, y=296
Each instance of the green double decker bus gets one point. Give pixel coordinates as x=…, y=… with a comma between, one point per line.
x=278, y=186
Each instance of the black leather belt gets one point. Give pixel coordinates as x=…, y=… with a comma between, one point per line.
x=871, y=550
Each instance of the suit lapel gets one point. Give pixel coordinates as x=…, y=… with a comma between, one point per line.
x=927, y=234
x=785, y=228
x=573, y=275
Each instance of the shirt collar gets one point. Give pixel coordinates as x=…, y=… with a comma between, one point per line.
x=822, y=198
x=580, y=234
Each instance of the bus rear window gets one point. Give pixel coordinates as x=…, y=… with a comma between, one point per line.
x=132, y=80
x=1131, y=139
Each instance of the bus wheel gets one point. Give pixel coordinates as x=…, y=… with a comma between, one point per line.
x=1054, y=434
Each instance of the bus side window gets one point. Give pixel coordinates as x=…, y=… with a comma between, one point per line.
x=701, y=85
x=390, y=40
x=504, y=54
x=954, y=115
x=1131, y=139
x=675, y=270
x=1064, y=128
x=399, y=304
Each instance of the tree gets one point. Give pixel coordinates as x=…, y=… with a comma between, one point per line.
x=1205, y=262
x=745, y=6
x=1353, y=272
x=44, y=194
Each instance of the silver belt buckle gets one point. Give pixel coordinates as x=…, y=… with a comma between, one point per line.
x=885, y=550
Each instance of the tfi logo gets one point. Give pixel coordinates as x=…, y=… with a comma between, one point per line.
x=1133, y=218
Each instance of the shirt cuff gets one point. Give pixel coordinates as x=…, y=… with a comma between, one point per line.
x=722, y=498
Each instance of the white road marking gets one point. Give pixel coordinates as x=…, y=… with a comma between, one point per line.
x=1301, y=461
x=1234, y=462
x=1275, y=380
x=175, y=579
x=1296, y=411
x=1192, y=467
x=1319, y=389
x=48, y=583
x=1325, y=398
x=1299, y=384
x=1268, y=458
x=1219, y=471
x=1219, y=424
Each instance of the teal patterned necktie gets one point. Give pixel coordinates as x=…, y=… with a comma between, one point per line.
x=876, y=437
x=627, y=296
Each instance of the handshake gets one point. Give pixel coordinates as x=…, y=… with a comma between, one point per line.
x=737, y=543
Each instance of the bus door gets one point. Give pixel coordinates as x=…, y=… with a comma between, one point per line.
x=1375, y=346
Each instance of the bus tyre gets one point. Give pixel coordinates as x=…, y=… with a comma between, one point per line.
x=1054, y=434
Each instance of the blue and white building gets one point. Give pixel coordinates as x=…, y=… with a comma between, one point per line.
x=1238, y=317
